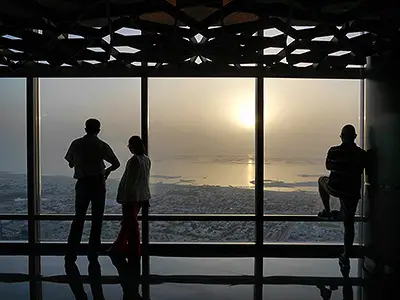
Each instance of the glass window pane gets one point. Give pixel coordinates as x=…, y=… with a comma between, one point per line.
x=17, y=267
x=59, y=230
x=65, y=106
x=200, y=291
x=307, y=232
x=312, y=267
x=54, y=266
x=201, y=142
x=13, y=189
x=303, y=119
x=294, y=292
x=196, y=231
x=201, y=266
x=13, y=230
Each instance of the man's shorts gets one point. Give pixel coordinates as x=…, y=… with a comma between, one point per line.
x=348, y=203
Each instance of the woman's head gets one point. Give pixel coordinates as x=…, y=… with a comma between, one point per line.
x=136, y=146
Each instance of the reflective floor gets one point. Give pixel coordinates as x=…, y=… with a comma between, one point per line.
x=179, y=278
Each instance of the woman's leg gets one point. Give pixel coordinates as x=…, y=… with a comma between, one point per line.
x=134, y=247
x=134, y=231
x=120, y=244
x=119, y=252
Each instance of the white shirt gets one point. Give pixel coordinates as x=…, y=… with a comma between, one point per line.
x=134, y=185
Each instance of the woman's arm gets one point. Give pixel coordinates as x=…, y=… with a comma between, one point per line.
x=132, y=171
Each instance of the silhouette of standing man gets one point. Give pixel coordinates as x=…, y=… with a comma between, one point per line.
x=87, y=155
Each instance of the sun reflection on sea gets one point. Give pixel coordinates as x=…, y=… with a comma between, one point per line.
x=250, y=169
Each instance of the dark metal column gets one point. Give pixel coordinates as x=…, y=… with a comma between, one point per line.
x=259, y=180
x=382, y=234
x=34, y=181
x=145, y=211
x=362, y=201
x=259, y=186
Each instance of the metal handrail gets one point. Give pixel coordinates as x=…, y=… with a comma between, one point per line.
x=190, y=249
x=193, y=279
x=182, y=217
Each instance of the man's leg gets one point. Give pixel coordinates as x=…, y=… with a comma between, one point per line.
x=81, y=205
x=348, y=210
x=348, y=207
x=323, y=192
x=98, y=199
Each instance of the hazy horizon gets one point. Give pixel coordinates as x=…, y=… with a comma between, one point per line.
x=193, y=116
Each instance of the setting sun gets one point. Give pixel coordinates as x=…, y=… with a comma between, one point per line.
x=247, y=115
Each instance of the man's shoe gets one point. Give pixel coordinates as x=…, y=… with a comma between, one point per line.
x=335, y=215
x=70, y=258
x=93, y=258
x=325, y=215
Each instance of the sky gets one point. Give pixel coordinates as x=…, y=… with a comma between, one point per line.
x=200, y=117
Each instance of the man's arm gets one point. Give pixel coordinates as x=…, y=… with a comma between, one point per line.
x=111, y=158
x=69, y=156
x=328, y=161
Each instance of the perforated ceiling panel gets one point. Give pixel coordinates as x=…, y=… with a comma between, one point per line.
x=194, y=38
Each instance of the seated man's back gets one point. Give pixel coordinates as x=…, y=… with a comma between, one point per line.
x=346, y=163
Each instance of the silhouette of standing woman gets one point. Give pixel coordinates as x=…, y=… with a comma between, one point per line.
x=133, y=193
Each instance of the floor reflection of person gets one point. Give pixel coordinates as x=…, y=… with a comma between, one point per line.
x=346, y=163
x=76, y=284
x=347, y=289
x=133, y=194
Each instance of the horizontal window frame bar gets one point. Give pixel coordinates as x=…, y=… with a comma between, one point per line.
x=194, y=250
x=179, y=72
x=182, y=217
x=195, y=279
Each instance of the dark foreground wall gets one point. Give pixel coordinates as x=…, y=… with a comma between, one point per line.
x=382, y=230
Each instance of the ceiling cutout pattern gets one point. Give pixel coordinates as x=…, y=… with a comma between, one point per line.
x=171, y=38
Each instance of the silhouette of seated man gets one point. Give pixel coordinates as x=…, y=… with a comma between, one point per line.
x=346, y=163
x=87, y=155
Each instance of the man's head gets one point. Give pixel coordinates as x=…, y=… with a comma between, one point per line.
x=92, y=126
x=348, y=134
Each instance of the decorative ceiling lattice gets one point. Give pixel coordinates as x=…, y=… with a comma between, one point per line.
x=327, y=38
